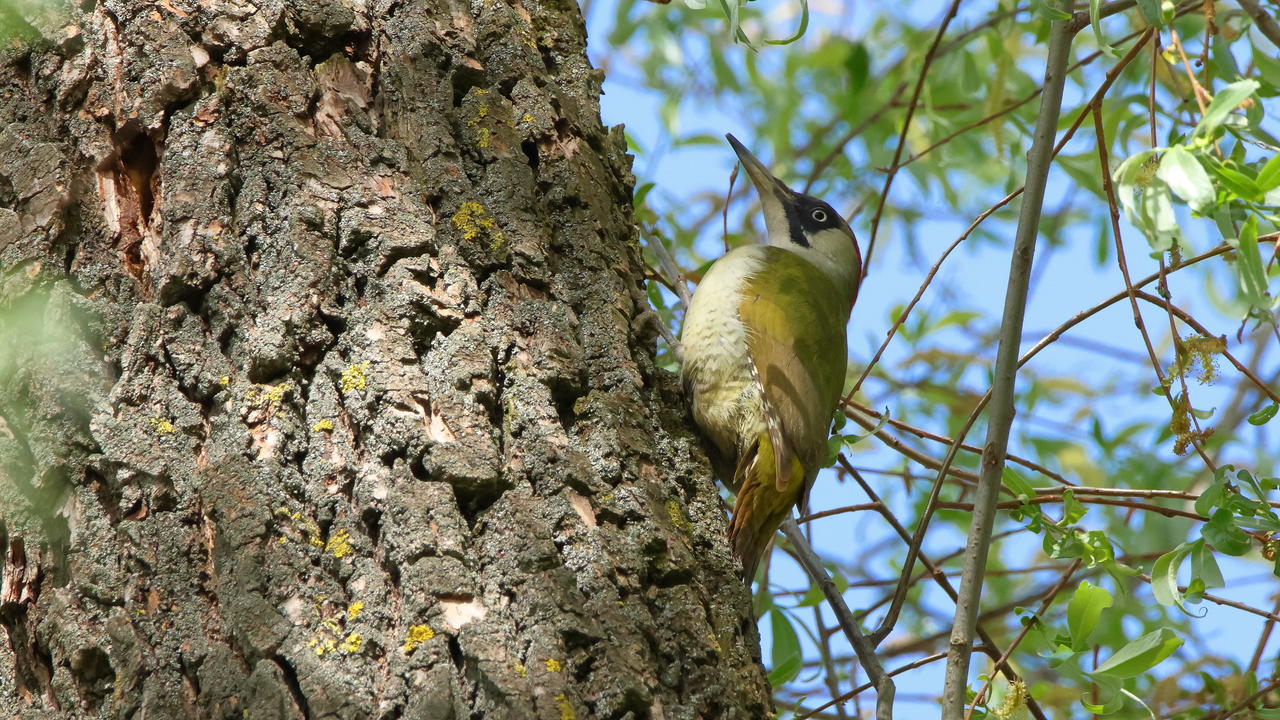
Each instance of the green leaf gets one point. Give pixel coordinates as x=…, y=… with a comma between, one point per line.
x=858, y=65
x=1237, y=182
x=1212, y=497
x=1263, y=416
x=1094, y=7
x=1222, y=533
x=1268, y=67
x=1140, y=655
x=1017, y=484
x=804, y=25
x=1048, y=11
x=1164, y=577
x=1204, y=566
x=786, y=657
x=1186, y=177
x=1269, y=175
x=1072, y=510
x=1083, y=612
x=1253, y=278
x=1223, y=103
x=1150, y=10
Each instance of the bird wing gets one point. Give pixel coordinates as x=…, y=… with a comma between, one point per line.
x=796, y=343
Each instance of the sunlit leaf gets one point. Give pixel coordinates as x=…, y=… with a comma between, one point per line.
x=786, y=657
x=1223, y=534
x=1083, y=612
x=1263, y=416
x=1140, y=655
x=1186, y=177
x=1226, y=100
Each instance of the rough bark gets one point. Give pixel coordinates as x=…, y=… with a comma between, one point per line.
x=327, y=384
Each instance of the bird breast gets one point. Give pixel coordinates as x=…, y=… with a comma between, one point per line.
x=716, y=371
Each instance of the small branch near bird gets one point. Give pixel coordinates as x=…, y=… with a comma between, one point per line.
x=866, y=651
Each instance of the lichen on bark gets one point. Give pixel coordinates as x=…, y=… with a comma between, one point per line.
x=327, y=384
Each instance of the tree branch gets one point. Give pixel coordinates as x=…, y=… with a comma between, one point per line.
x=1266, y=24
x=1002, y=391
x=861, y=645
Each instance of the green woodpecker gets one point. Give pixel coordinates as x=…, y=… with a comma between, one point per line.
x=764, y=356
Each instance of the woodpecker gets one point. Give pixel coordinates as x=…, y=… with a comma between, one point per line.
x=764, y=355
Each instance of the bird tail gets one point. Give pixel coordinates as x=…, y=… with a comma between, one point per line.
x=762, y=503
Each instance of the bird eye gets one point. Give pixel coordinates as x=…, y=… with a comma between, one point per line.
x=819, y=215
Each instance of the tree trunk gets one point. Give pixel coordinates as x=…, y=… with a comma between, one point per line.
x=327, y=385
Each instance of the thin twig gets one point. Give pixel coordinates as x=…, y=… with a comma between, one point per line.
x=1039, y=160
x=935, y=571
x=906, y=125
x=902, y=317
x=865, y=650
x=1044, y=499
x=1108, y=80
x=1114, y=211
x=867, y=686
x=1195, y=325
x=1263, y=639
x=900, y=595
x=1026, y=627
x=1268, y=688
x=1224, y=602
x=925, y=434
x=849, y=135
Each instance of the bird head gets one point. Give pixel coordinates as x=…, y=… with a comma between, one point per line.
x=805, y=224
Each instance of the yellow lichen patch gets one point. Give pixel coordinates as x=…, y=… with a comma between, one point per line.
x=339, y=544
x=520, y=670
x=418, y=634
x=274, y=395
x=324, y=425
x=677, y=517
x=162, y=426
x=352, y=643
x=554, y=665
x=322, y=645
x=225, y=380
x=482, y=137
x=354, y=378
x=267, y=397
x=305, y=524
x=472, y=220
x=354, y=610
x=566, y=708
x=527, y=118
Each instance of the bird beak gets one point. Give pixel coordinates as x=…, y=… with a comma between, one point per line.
x=775, y=196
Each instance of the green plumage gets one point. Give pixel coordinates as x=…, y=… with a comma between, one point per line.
x=764, y=356
x=796, y=342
